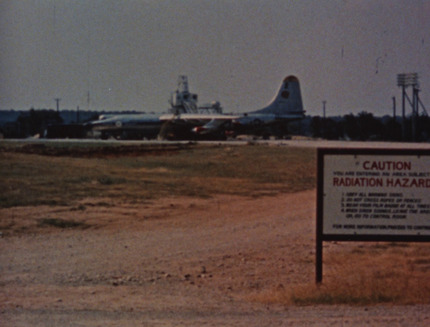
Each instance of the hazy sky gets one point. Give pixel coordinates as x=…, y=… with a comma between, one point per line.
x=128, y=54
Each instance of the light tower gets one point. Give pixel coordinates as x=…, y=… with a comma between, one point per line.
x=404, y=81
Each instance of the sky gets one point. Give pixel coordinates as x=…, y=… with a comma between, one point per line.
x=128, y=54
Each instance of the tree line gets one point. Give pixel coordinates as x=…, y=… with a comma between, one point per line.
x=362, y=127
x=365, y=127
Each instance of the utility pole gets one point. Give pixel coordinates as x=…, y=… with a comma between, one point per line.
x=324, y=102
x=394, y=108
x=88, y=100
x=57, y=100
x=403, y=113
x=324, y=120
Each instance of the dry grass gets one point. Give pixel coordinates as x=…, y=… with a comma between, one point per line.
x=51, y=175
x=367, y=274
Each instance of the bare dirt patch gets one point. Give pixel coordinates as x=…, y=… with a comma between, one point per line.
x=177, y=262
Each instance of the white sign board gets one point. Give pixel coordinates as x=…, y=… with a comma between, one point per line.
x=375, y=194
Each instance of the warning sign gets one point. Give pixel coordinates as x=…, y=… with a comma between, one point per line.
x=374, y=192
x=372, y=195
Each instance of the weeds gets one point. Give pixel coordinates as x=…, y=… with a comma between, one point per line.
x=61, y=223
x=198, y=171
x=390, y=275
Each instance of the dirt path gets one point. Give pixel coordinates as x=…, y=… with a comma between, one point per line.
x=173, y=262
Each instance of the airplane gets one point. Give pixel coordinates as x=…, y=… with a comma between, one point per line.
x=149, y=126
x=188, y=121
x=126, y=126
x=286, y=106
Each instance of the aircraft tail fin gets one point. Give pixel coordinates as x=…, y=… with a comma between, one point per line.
x=288, y=100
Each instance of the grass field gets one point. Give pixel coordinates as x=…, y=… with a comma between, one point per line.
x=63, y=174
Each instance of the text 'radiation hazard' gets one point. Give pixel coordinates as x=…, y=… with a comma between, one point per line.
x=383, y=174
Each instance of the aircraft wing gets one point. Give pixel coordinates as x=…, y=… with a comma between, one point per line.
x=202, y=117
x=125, y=119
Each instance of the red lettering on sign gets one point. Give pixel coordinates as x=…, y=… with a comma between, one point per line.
x=387, y=165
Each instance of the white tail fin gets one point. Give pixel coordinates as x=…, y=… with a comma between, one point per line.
x=288, y=101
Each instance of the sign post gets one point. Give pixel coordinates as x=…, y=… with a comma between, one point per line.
x=372, y=195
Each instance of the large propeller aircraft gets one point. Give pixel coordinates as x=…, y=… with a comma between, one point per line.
x=186, y=120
